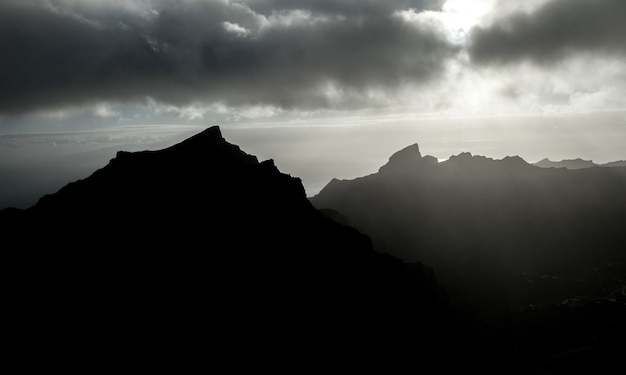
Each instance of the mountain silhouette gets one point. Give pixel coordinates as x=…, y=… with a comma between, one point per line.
x=576, y=164
x=483, y=223
x=533, y=259
x=201, y=241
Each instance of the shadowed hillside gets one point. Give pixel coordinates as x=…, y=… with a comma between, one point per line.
x=483, y=223
x=533, y=257
x=202, y=240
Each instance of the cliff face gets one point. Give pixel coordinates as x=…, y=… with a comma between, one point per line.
x=201, y=238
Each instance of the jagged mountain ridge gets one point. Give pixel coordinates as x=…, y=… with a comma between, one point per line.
x=201, y=238
x=482, y=222
x=576, y=164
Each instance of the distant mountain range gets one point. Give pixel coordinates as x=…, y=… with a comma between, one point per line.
x=201, y=241
x=486, y=225
x=576, y=164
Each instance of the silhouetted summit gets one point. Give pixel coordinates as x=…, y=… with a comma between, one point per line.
x=202, y=240
x=407, y=159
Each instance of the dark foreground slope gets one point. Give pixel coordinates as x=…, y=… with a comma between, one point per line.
x=199, y=248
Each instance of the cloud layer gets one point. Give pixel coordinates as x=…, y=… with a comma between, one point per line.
x=555, y=31
x=288, y=54
x=189, y=58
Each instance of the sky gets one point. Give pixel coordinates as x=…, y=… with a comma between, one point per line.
x=328, y=88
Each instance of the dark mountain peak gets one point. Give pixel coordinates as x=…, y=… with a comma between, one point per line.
x=403, y=160
x=409, y=152
x=210, y=136
x=205, y=149
x=210, y=143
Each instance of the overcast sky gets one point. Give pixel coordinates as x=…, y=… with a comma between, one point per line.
x=254, y=58
x=70, y=65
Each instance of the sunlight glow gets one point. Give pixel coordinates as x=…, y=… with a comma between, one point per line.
x=459, y=16
x=456, y=18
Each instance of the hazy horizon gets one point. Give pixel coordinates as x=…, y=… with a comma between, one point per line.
x=40, y=163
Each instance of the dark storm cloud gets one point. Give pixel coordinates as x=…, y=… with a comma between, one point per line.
x=296, y=54
x=552, y=32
